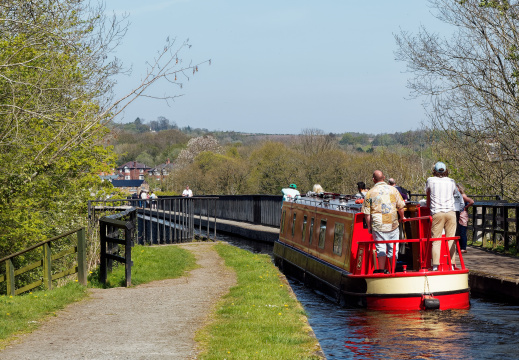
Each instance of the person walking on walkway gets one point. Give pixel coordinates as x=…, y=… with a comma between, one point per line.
x=153, y=198
x=187, y=192
x=463, y=219
x=382, y=206
x=440, y=190
x=144, y=197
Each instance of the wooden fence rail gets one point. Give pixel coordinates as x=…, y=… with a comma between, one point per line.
x=495, y=221
x=45, y=263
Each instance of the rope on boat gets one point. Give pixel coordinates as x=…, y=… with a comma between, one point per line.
x=426, y=284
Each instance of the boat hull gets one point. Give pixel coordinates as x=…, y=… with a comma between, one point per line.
x=398, y=291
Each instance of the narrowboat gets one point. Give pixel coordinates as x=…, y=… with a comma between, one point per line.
x=324, y=242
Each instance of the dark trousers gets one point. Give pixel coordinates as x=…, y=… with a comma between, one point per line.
x=463, y=237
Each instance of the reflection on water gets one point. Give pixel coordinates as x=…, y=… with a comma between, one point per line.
x=488, y=330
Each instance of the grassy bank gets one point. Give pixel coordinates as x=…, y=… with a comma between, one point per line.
x=150, y=264
x=259, y=318
x=23, y=313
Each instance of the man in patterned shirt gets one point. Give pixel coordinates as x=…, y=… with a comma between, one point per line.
x=381, y=207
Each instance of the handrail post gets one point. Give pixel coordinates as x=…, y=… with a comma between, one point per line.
x=102, y=265
x=128, y=254
x=81, y=257
x=47, y=266
x=214, y=209
x=9, y=272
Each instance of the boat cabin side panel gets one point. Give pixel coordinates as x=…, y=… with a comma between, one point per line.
x=323, y=233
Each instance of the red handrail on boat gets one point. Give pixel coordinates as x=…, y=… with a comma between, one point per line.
x=423, y=254
x=423, y=259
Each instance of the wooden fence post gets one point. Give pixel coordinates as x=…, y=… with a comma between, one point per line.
x=9, y=273
x=81, y=257
x=47, y=266
x=102, y=266
x=128, y=253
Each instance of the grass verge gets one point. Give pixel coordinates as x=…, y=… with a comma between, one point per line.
x=259, y=318
x=24, y=313
x=150, y=264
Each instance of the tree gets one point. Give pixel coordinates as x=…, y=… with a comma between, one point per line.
x=195, y=146
x=56, y=99
x=471, y=82
x=163, y=123
x=314, y=142
x=274, y=166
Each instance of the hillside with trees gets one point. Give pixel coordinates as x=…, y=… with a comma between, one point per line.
x=239, y=163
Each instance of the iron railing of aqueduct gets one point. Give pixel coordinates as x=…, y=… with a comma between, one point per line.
x=163, y=220
x=254, y=209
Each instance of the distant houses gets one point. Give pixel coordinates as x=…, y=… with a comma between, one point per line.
x=129, y=177
x=132, y=170
x=161, y=171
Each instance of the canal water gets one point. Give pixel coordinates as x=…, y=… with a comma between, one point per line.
x=488, y=330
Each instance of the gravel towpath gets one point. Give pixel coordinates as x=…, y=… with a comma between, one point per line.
x=152, y=321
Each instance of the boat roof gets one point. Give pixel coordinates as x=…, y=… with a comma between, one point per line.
x=332, y=201
x=345, y=203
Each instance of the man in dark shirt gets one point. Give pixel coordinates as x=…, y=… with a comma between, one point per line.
x=400, y=189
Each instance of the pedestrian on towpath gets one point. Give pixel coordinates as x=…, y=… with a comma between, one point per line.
x=187, y=192
x=153, y=198
x=464, y=219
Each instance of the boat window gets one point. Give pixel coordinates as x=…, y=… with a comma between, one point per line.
x=311, y=231
x=294, y=224
x=304, y=229
x=283, y=221
x=322, y=234
x=337, y=239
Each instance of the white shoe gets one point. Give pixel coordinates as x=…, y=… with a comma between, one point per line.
x=435, y=268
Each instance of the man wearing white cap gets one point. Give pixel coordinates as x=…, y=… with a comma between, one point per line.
x=440, y=191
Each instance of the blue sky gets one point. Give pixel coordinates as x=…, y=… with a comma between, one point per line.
x=278, y=67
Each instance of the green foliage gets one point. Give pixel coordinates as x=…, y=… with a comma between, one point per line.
x=50, y=123
x=354, y=139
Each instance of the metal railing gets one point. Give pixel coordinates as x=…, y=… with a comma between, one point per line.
x=165, y=220
x=254, y=209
